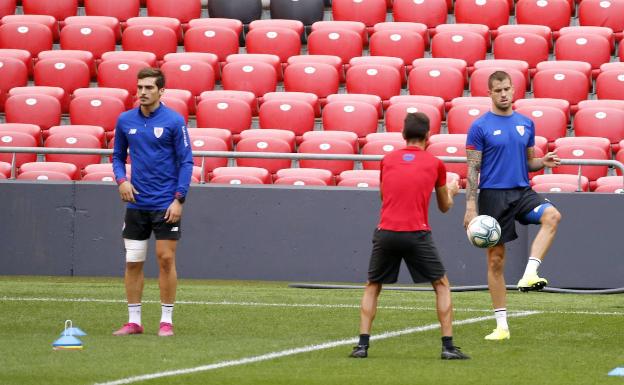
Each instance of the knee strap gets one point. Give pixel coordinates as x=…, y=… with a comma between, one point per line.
x=534, y=216
x=136, y=251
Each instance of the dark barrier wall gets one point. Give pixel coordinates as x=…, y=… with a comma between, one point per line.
x=288, y=234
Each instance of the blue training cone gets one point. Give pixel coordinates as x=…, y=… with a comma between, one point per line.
x=67, y=341
x=74, y=331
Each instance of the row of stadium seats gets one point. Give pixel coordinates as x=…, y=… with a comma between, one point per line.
x=556, y=14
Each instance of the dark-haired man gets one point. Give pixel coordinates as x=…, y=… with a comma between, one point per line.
x=500, y=150
x=162, y=165
x=408, y=176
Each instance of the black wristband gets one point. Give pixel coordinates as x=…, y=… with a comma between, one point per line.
x=181, y=200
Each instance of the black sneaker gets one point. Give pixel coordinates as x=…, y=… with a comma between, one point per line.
x=360, y=351
x=453, y=354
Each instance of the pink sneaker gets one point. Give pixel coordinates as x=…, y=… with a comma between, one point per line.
x=129, y=328
x=166, y=329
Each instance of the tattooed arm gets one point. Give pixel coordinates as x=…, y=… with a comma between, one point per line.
x=472, y=184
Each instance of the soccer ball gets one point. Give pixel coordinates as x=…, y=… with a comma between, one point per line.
x=483, y=231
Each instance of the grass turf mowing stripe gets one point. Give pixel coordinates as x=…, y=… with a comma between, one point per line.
x=304, y=305
x=303, y=349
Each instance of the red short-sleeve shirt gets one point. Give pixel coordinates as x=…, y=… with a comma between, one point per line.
x=408, y=177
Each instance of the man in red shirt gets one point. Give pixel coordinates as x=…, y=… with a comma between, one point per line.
x=407, y=178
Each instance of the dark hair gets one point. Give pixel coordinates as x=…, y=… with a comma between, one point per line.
x=149, y=72
x=416, y=126
x=497, y=76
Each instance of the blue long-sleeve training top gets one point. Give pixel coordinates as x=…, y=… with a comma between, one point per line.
x=161, y=156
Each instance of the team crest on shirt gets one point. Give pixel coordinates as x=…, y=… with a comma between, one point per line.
x=520, y=130
x=158, y=131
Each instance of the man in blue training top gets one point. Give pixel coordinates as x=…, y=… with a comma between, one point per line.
x=500, y=152
x=155, y=136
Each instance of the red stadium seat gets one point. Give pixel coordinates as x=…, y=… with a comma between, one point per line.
x=394, y=62
x=5, y=170
x=379, y=147
x=32, y=37
x=535, y=29
x=442, y=81
x=428, y=12
x=358, y=117
x=246, y=96
x=465, y=45
x=42, y=110
x=434, y=101
x=73, y=140
x=373, y=100
x=332, y=60
x=264, y=145
x=241, y=175
x=550, y=122
x=306, y=175
x=183, y=10
x=576, y=65
x=185, y=96
x=338, y=25
x=17, y=139
x=119, y=93
x=610, y=85
x=294, y=25
x=572, y=179
x=95, y=131
x=234, y=25
x=256, y=77
x=343, y=43
x=451, y=149
x=300, y=181
x=153, y=38
x=19, y=54
x=605, y=32
x=492, y=13
x=102, y=110
x=554, y=14
x=614, y=180
x=13, y=73
x=369, y=12
x=419, y=28
x=67, y=74
x=326, y=146
x=60, y=9
x=120, y=9
x=120, y=73
x=346, y=136
x=192, y=75
x=205, y=57
x=218, y=40
x=384, y=136
x=376, y=79
x=84, y=56
x=555, y=187
x=448, y=138
x=146, y=21
x=610, y=188
x=106, y=21
x=458, y=64
x=619, y=156
x=560, y=104
x=47, y=20
x=273, y=60
x=30, y=129
x=601, y=103
x=220, y=133
x=286, y=96
x=148, y=57
x=359, y=178
x=279, y=41
x=95, y=38
x=603, y=143
x=295, y=115
x=564, y=84
x=107, y=177
x=527, y=47
x=44, y=176
x=600, y=121
x=318, y=78
x=7, y=7
x=396, y=112
x=405, y=44
x=460, y=118
x=359, y=182
x=591, y=48
x=602, y=13
x=208, y=143
x=232, y=114
x=177, y=104
x=271, y=133
x=471, y=101
x=577, y=152
x=68, y=169
x=479, y=29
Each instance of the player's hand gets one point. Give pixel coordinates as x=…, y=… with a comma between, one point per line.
x=127, y=191
x=174, y=212
x=453, y=187
x=551, y=159
x=470, y=215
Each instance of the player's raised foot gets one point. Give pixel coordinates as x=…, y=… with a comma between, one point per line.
x=532, y=283
x=129, y=328
x=498, y=334
x=453, y=354
x=165, y=330
x=360, y=351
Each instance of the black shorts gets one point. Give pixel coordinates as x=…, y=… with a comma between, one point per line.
x=508, y=206
x=415, y=247
x=139, y=224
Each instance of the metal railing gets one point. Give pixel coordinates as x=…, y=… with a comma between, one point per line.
x=281, y=155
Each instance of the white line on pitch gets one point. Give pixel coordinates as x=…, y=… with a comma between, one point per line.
x=290, y=352
x=295, y=305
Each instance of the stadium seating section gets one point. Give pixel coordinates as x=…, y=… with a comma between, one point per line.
x=311, y=77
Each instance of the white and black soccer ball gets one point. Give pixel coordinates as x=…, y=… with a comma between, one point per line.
x=483, y=231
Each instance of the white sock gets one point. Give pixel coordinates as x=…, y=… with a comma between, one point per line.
x=134, y=313
x=501, y=318
x=532, y=265
x=167, y=313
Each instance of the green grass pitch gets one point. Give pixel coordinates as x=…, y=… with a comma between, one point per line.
x=572, y=339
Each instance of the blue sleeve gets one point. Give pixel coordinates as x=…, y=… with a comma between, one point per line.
x=531, y=134
x=120, y=153
x=474, y=141
x=184, y=158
